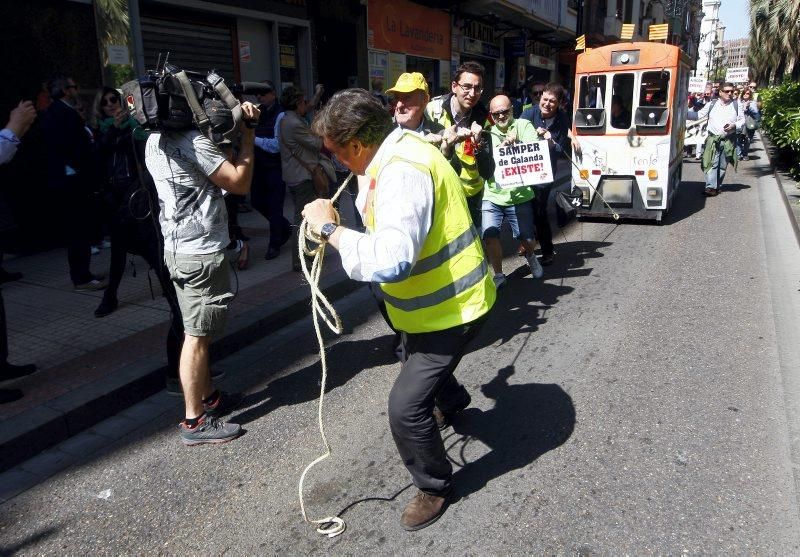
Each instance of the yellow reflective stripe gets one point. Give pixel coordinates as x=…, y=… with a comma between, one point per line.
x=443, y=294
x=466, y=239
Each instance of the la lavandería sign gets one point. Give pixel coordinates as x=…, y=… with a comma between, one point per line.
x=522, y=164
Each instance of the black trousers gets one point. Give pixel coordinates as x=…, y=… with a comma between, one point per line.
x=267, y=195
x=76, y=222
x=426, y=379
x=141, y=237
x=475, y=206
x=541, y=219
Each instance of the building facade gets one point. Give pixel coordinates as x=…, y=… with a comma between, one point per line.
x=734, y=53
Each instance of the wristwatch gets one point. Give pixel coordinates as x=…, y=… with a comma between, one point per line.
x=327, y=229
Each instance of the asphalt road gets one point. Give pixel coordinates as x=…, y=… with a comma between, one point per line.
x=640, y=399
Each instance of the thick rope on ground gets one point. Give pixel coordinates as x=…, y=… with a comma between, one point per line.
x=330, y=526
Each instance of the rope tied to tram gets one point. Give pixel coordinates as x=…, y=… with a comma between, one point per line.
x=321, y=307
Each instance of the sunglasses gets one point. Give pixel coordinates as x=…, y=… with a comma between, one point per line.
x=537, y=93
x=729, y=91
x=109, y=100
x=501, y=113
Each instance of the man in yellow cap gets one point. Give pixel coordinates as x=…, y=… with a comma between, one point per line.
x=411, y=96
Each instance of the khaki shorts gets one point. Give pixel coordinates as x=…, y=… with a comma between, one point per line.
x=203, y=286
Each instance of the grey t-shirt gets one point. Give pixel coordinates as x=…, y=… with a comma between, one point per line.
x=193, y=216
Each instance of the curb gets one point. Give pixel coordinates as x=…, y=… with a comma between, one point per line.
x=29, y=433
x=786, y=202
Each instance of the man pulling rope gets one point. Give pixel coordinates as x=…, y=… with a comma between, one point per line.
x=424, y=252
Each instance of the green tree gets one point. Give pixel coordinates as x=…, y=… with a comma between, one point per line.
x=774, y=40
x=113, y=28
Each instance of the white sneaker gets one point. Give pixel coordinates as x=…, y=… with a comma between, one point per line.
x=536, y=268
x=499, y=280
x=95, y=250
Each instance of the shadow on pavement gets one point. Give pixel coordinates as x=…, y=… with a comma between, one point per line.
x=526, y=422
x=31, y=540
x=345, y=360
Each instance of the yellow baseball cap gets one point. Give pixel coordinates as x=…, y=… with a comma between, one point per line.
x=408, y=82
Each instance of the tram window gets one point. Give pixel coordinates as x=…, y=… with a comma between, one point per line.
x=592, y=92
x=655, y=89
x=621, y=100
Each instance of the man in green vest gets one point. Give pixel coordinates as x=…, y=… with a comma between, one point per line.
x=423, y=250
x=459, y=117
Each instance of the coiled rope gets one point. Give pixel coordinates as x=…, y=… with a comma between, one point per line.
x=330, y=526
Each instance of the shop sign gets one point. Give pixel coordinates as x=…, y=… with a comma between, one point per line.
x=402, y=26
x=541, y=62
x=473, y=46
x=478, y=31
x=287, y=56
x=540, y=49
x=515, y=46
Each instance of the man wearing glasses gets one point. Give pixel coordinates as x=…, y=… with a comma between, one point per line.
x=511, y=204
x=460, y=117
x=725, y=120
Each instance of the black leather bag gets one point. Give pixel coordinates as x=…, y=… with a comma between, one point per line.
x=567, y=206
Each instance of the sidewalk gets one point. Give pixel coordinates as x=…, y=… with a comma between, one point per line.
x=90, y=368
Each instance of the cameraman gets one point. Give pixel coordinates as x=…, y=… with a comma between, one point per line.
x=190, y=173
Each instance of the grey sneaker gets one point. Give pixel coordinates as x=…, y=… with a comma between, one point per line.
x=209, y=430
x=536, y=268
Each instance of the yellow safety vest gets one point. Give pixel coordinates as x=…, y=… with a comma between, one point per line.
x=471, y=180
x=450, y=283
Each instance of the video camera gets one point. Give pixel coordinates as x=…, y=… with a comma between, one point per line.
x=176, y=100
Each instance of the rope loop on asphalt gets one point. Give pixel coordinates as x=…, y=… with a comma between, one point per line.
x=321, y=307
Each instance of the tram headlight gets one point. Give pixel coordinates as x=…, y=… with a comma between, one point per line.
x=655, y=194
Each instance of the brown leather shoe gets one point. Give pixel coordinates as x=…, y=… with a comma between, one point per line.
x=423, y=510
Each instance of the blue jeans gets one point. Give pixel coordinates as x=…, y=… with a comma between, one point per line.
x=719, y=164
x=520, y=218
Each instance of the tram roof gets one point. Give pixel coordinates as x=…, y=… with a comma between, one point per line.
x=651, y=55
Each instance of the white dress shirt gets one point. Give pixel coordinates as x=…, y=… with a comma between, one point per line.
x=403, y=217
x=721, y=114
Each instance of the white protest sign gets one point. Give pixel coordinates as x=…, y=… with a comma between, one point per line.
x=522, y=164
x=737, y=75
x=697, y=84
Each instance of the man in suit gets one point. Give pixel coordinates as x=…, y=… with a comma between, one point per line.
x=71, y=170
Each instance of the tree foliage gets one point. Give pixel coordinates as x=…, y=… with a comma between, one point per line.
x=780, y=120
x=774, y=40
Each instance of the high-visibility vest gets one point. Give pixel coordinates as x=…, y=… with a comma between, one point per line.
x=450, y=283
x=471, y=180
